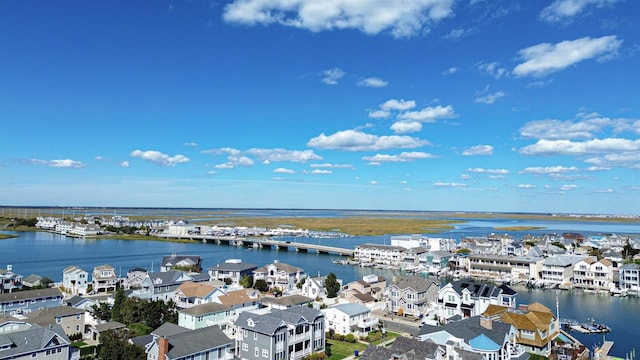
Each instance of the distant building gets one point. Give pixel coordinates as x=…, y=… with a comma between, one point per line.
x=630, y=278
x=188, y=263
x=280, y=275
x=379, y=254
x=104, y=278
x=9, y=281
x=70, y=319
x=367, y=290
x=411, y=295
x=134, y=278
x=233, y=269
x=22, y=302
x=466, y=298
x=75, y=280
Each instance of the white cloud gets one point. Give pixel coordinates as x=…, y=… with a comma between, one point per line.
x=562, y=9
x=125, y=164
x=352, y=140
x=457, y=34
x=284, y=171
x=159, y=158
x=211, y=172
x=402, y=18
x=332, y=166
x=225, y=166
x=485, y=98
x=448, y=184
x=400, y=105
x=372, y=82
x=488, y=171
x=402, y=157
x=406, y=126
x=568, y=147
x=568, y=187
x=373, y=182
x=269, y=155
x=556, y=129
x=626, y=158
x=321, y=172
x=493, y=69
x=603, y=191
x=478, y=150
x=61, y=163
x=428, y=114
x=526, y=186
x=190, y=144
x=546, y=58
x=332, y=76
x=379, y=114
x=597, y=168
x=224, y=150
x=540, y=170
x=450, y=71
x=465, y=177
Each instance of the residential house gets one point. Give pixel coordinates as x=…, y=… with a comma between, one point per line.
x=435, y=261
x=188, y=263
x=162, y=285
x=466, y=298
x=629, y=278
x=31, y=281
x=418, y=240
x=411, y=295
x=314, y=287
x=349, y=319
x=279, y=275
x=379, y=254
x=477, y=334
x=75, y=280
x=367, y=290
x=222, y=311
x=22, y=302
x=204, y=343
x=285, y=302
x=69, y=318
x=23, y=341
x=280, y=335
x=410, y=258
x=411, y=349
x=593, y=274
x=233, y=269
x=104, y=278
x=190, y=293
x=536, y=325
x=9, y=281
x=558, y=269
x=96, y=330
x=134, y=278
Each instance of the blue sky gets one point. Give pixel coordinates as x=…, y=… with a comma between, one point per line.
x=514, y=106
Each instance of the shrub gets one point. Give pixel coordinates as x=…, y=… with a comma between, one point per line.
x=350, y=338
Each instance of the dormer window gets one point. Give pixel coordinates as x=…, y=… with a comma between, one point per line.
x=250, y=323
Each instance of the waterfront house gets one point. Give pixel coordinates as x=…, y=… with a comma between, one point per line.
x=349, y=319
x=204, y=343
x=379, y=254
x=477, y=334
x=75, y=280
x=279, y=275
x=233, y=269
x=536, y=325
x=559, y=269
x=162, y=285
x=593, y=274
x=428, y=243
x=499, y=267
x=31, y=281
x=434, y=261
x=411, y=295
x=369, y=289
x=104, y=278
x=83, y=230
x=411, y=349
x=9, y=281
x=466, y=298
x=188, y=263
x=280, y=335
x=23, y=341
x=410, y=257
x=134, y=278
x=22, y=302
x=630, y=278
x=70, y=319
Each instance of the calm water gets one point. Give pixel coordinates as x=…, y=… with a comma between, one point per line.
x=48, y=254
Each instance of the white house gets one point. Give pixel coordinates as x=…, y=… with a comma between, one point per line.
x=630, y=278
x=558, y=269
x=75, y=280
x=104, y=278
x=280, y=275
x=379, y=254
x=349, y=319
x=467, y=298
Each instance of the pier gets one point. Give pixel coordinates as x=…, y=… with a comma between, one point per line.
x=264, y=243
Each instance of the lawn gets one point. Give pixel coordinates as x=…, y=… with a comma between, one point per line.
x=342, y=349
x=390, y=336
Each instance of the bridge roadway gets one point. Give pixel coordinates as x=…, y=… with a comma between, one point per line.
x=262, y=243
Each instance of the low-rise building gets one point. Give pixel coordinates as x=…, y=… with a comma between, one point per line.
x=9, y=281
x=379, y=254
x=558, y=269
x=280, y=335
x=411, y=295
x=188, y=263
x=22, y=302
x=104, y=278
x=467, y=298
x=72, y=320
x=279, y=275
x=349, y=319
x=75, y=280
x=369, y=289
x=23, y=341
x=204, y=343
x=593, y=274
x=630, y=278
x=233, y=269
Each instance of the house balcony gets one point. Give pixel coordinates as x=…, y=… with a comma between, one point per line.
x=368, y=323
x=300, y=337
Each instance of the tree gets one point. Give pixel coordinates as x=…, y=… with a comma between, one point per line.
x=228, y=281
x=246, y=281
x=116, y=310
x=300, y=283
x=261, y=285
x=101, y=311
x=114, y=346
x=332, y=285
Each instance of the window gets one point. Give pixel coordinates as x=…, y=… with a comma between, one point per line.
x=257, y=352
x=265, y=353
x=255, y=335
x=245, y=347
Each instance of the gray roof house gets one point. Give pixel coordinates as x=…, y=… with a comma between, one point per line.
x=233, y=269
x=205, y=343
x=22, y=341
x=412, y=349
x=466, y=298
x=163, y=285
x=281, y=275
x=411, y=295
x=190, y=263
x=21, y=302
x=72, y=320
x=284, y=334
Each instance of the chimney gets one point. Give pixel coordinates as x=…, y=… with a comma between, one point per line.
x=486, y=323
x=163, y=348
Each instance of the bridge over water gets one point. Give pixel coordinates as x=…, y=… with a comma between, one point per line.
x=263, y=243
